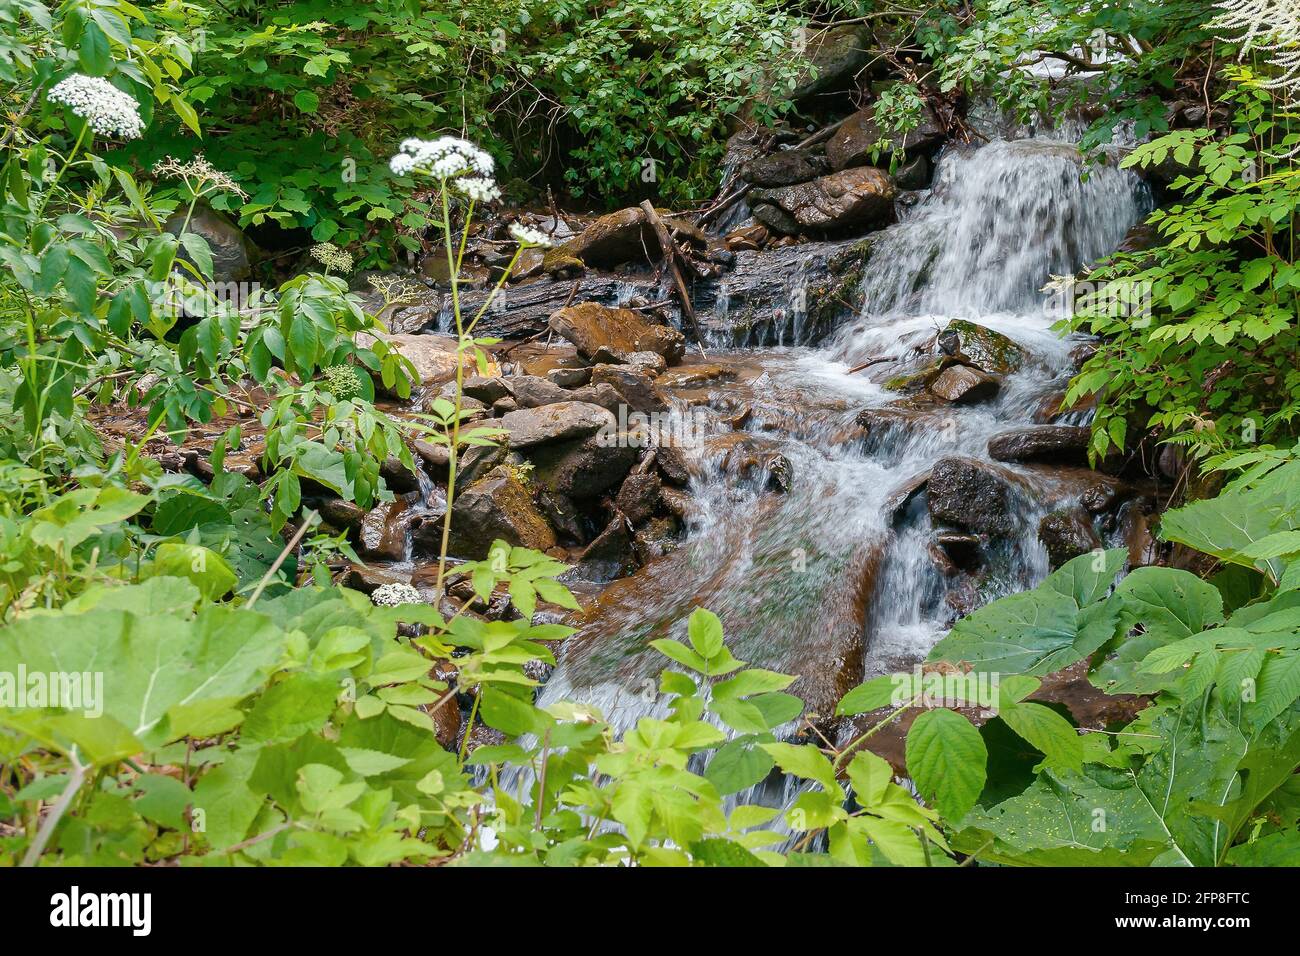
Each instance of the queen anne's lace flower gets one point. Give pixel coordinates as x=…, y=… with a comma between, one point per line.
x=454, y=161
x=395, y=595
x=207, y=177
x=332, y=257
x=107, y=110
x=478, y=188
x=527, y=236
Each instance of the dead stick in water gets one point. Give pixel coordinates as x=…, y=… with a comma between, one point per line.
x=670, y=253
x=874, y=361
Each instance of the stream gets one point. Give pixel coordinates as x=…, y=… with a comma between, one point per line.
x=834, y=580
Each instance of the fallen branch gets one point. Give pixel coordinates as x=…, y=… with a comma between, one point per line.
x=874, y=361
x=671, y=254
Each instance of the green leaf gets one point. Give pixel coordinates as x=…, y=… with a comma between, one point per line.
x=1047, y=731
x=947, y=759
x=705, y=632
x=738, y=765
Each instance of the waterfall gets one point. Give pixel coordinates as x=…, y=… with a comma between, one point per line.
x=834, y=580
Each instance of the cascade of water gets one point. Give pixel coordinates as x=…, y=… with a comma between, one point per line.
x=833, y=580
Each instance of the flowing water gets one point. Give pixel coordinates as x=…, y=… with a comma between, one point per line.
x=833, y=580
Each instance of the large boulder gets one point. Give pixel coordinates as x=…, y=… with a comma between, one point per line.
x=991, y=351
x=785, y=167
x=232, y=253
x=611, y=239
x=963, y=385
x=603, y=334
x=835, y=55
x=850, y=198
x=1060, y=444
x=497, y=506
x=555, y=422
x=854, y=143
x=971, y=494
x=584, y=468
x=382, y=535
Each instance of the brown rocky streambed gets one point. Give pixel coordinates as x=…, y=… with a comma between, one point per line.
x=864, y=443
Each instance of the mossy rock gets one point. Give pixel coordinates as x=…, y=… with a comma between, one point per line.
x=991, y=351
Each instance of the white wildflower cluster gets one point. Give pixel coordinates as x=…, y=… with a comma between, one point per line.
x=527, y=236
x=395, y=595
x=1268, y=27
x=107, y=110
x=457, y=162
x=207, y=178
x=332, y=257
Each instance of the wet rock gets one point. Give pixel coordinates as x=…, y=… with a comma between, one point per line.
x=497, y=506
x=1135, y=532
x=970, y=494
x=383, y=532
x=777, y=220
x=656, y=537
x=835, y=56
x=527, y=308
x=602, y=334
x=747, y=238
x=584, y=468
x=611, y=555
x=963, y=385
x=477, y=460
x=671, y=462
x=344, y=515
x=991, y=351
x=855, y=142
x=785, y=167
x=571, y=377
x=917, y=376
x=1171, y=461
x=446, y=722
x=915, y=175
x=561, y=511
x=854, y=197
x=1066, y=535
x=897, y=501
x=397, y=476
x=677, y=501
x=965, y=551
x=1061, y=444
x=693, y=376
x=557, y=422
x=638, y=499
x=1103, y=494
x=636, y=387
x=232, y=253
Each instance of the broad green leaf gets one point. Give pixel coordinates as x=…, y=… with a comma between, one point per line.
x=947, y=759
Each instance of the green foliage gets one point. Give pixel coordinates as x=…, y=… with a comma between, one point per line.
x=1208, y=362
